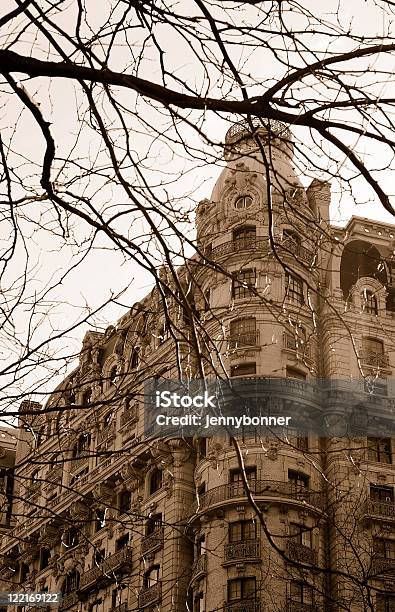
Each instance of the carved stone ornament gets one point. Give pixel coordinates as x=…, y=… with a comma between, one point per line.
x=272, y=449
x=49, y=535
x=103, y=493
x=181, y=452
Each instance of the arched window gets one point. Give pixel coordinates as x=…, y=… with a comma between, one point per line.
x=155, y=481
x=82, y=445
x=113, y=374
x=244, y=201
x=125, y=499
x=369, y=302
x=134, y=362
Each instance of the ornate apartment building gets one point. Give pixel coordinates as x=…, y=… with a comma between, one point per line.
x=115, y=522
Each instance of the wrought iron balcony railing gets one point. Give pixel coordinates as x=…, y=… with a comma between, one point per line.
x=372, y=358
x=199, y=567
x=244, y=339
x=104, y=571
x=69, y=600
x=301, y=553
x=379, y=509
x=261, y=489
x=244, y=605
x=292, y=248
x=107, y=432
x=150, y=595
x=240, y=551
x=79, y=462
x=123, y=607
x=238, y=245
x=153, y=541
x=381, y=565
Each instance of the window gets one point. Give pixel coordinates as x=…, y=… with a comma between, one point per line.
x=384, y=548
x=302, y=442
x=116, y=595
x=369, y=302
x=202, y=447
x=155, y=481
x=201, y=489
x=98, y=557
x=151, y=577
x=71, y=583
x=372, y=346
x=385, y=494
x=301, y=593
x=87, y=396
x=35, y=476
x=243, y=369
x=295, y=374
x=375, y=386
x=76, y=477
x=100, y=519
x=107, y=420
x=298, y=480
x=124, y=502
x=134, y=361
x=122, y=542
x=113, y=374
x=243, y=283
x=71, y=537
x=243, y=332
x=379, y=449
x=244, y=237
x=200, y=546
x=301, y=534
x=244, y=201
x=237, y=475
x=45, y=556
x=96, y=606
x=82, y=445
x=154, y=523
x=241, y=588
x=206, y=297
x=24, y=571
x=198, y=604
x=294, y=288
x=290, y=234
x=242, y=530
x=236, y=480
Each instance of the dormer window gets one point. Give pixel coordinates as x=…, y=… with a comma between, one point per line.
x=244, y=201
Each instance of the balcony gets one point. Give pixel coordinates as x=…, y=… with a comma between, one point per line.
x=105, y=570
x=106, y=433
x=381, y=565
x=291, y=248
x=263, y=489
x=252, y=605
x=237, y=246
x=153, y=541
x=301, y=553
x=244, y=340
x=69, y=600
x=123, y=607
x=33, y=489
x=79, y=462
x=150, y=595
x=54, y=474
x=246, y=550
x=384, y=510
x=199, y=567
x=374, y=359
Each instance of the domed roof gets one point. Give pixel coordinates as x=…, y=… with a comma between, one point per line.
x=243, y=154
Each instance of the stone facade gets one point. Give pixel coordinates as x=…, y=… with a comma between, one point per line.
x=117, y=523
